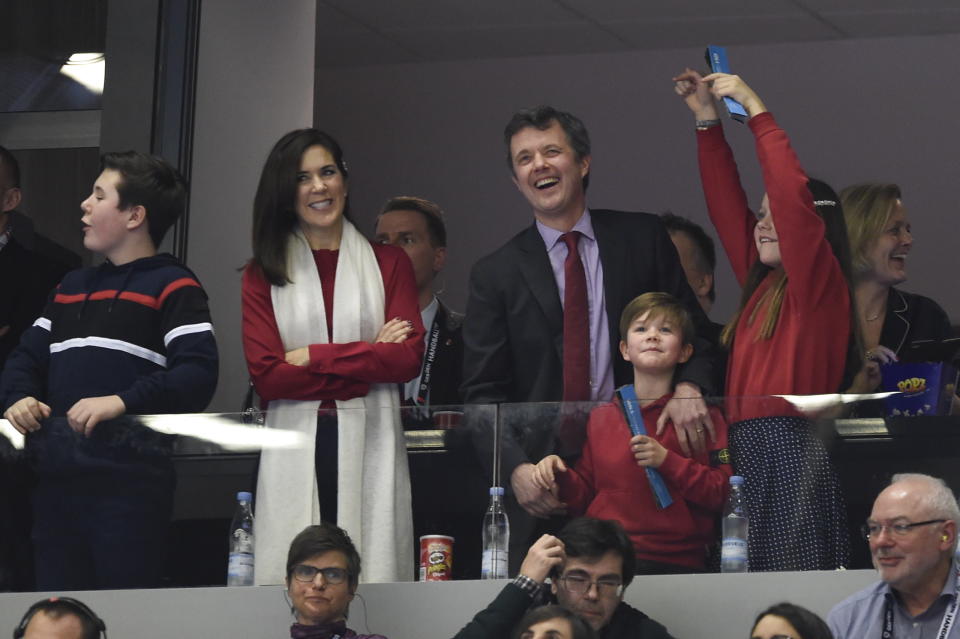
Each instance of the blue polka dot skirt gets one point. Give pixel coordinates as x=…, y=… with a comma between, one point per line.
x=798, y=517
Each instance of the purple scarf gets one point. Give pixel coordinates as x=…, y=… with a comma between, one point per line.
x=335, y=630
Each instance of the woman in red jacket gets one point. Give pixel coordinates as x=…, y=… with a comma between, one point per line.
x=793, y=333
x=330, y=322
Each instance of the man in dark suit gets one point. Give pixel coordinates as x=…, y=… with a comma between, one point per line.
x=517, y=318
x=416, y=225
x=26, y=278
x=698, y=256
x=448, y=489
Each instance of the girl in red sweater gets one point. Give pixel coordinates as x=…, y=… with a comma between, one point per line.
x=792, y=334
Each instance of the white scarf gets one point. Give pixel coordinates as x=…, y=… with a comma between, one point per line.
x=373, y=481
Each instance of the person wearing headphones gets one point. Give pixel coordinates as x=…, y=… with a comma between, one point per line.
x=60, y=618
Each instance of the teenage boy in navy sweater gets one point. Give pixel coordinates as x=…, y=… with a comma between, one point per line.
x=132, y=336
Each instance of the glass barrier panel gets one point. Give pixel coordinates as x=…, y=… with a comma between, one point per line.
x=428, y=474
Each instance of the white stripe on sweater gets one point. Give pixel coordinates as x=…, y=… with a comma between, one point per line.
x=186, y=329
x=112, y=344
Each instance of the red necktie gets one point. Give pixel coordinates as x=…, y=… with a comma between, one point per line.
x=576, y=325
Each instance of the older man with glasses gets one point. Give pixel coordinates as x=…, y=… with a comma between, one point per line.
x=912, y=532
x=590, y=563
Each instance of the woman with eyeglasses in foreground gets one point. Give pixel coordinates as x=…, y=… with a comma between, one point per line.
x=553, y=622
x=789, y=621
x=323, y=568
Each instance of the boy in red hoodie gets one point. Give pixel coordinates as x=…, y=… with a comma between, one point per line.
x=610, y=480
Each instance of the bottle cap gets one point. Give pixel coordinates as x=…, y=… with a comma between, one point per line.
x=736, y=480
x=496, y=490
x=244, y=496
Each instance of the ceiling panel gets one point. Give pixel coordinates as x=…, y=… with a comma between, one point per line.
x=724, y=31
x=371, y=32
x=458, y=44
x=432, y=14
x=633, y=11
x=892, y=23
x=876, y=5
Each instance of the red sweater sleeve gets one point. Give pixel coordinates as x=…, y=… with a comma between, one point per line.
x=336, y=371
x=576, y=486
x=697, y=480
x=379, y=363
x=726, y=200
x=813, y=271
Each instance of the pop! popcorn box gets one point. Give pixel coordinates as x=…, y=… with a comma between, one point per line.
x=925, y=388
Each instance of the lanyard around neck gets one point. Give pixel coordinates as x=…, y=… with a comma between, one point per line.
x=949, y=616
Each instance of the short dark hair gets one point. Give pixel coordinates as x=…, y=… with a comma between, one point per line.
x=274, y=205
x=808, y=624
x=10, y=167
x=706, y=251
x=148, y=181
x=318, y=539
x=592, y=538
x=659, y=305
x=431, y=212
x=542, y=118
x=579, y=628
x=57, y=607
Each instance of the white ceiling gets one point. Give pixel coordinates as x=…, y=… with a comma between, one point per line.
x=371, y=32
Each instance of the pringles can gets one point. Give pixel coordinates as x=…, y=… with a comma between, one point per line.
x=436, y=558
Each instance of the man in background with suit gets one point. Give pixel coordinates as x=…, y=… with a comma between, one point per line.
x=28, y=273
x=449, y=490
x=541, y=322
x=698, y=256
x=416, y=225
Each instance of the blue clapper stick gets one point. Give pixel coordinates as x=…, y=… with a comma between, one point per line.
x=631, y=408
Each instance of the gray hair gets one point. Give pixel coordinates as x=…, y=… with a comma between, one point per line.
x=939, y=499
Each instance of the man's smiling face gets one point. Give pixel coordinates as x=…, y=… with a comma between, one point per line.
x=547, y=171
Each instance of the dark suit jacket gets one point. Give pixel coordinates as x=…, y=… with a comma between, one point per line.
x=912, y=317
x=448, y=365
x=513, y=330
x=26, y=279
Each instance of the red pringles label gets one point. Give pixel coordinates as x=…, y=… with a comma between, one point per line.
x=436, y=558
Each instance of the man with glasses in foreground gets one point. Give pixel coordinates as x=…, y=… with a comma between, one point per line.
x=590, y=563
x=912, y=532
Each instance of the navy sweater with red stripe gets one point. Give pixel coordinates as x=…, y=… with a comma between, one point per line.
x=141, y=330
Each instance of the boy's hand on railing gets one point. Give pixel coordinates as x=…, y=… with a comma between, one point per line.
x=25, y=414
x=90, y=411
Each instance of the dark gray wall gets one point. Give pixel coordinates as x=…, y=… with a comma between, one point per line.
x=855, y=110
x=56, y=211
x=129, y=79
x=252, y=87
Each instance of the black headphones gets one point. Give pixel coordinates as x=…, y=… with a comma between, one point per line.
x=76, y=606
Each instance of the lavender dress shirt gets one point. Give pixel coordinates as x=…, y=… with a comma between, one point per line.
x=601, y=367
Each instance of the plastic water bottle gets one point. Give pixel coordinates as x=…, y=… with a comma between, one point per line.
x=240, y=566
x=496, y=538
x=736, y=523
